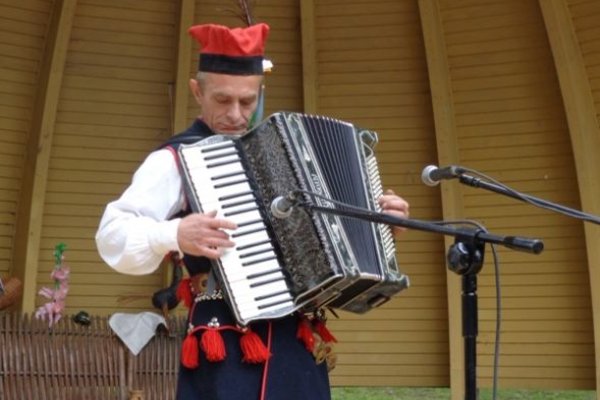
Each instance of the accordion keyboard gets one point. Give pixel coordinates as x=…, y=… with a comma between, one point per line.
x=251, y=270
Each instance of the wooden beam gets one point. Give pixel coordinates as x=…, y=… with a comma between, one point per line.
x=309, y=56
x=584, y=130
x=447, y=149
x=35, y=173
x=182, y=67
x=181, y=92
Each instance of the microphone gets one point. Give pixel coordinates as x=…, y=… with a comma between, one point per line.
x=282, y=206
x=432, y=175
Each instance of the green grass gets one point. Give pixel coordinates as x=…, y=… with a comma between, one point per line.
x=393, y=393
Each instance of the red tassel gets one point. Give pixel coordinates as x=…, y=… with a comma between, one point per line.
x=189, y=352
x=325, y=333
x=305, y=334
x=184, y=292
x=253, y=348
x=213, y=345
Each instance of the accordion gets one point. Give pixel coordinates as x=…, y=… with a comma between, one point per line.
x=308, y=260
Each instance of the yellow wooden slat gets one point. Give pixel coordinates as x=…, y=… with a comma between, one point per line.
x=462, y=12
x=149, y=5
x=120, y=86
x=563, y=349
x=122, y=122
x=122, y=14
x=32, y=13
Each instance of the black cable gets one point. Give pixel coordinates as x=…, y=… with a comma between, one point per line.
x=528, y=199
x=498, y=299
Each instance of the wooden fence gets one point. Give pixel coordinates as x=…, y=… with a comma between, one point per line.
x=75, y=362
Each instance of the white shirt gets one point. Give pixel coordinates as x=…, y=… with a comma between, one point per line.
x=135, y=234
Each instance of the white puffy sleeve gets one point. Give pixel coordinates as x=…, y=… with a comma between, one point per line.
x=134, y=233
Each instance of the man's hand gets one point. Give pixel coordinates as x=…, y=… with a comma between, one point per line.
x=203, y=235
x=394, y=205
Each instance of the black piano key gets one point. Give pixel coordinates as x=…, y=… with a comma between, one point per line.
x=217, y=156
x=249, y=246
x=266, y=296
x=233, y=196
x=238, y=181
x=241, y=211
x=228, y=175
x=238, y=234
x=258, y=261
x=259, y=274
x=254, y=253
x=247, y=223
x=257, y=284
x=219, y=164
x=238, y=203
x=272, y=304
x=222, y=146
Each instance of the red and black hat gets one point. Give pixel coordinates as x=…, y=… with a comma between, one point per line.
x=232, y=51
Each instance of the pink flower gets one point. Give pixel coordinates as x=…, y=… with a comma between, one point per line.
x=61, y=273
x=52, y=310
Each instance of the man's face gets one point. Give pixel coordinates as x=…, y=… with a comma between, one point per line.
x=227, y=101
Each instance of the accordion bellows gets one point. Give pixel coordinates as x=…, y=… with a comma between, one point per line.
x=310, y=259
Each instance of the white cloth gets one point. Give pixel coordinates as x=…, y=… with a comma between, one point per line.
x=136, y=330
x=134, y=234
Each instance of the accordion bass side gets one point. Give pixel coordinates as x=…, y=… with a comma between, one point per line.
x=308, y=260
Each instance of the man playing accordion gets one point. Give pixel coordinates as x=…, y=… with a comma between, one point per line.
x=272, y=359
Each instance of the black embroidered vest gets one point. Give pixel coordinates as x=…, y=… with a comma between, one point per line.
x=197, y=131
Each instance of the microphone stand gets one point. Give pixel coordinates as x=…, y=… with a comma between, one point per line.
x=465, y=258
x=479, y=183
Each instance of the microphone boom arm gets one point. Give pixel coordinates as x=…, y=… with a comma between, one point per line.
x=479, y=183
x=529, y=245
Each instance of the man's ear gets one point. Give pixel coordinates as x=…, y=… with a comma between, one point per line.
x=195, y=89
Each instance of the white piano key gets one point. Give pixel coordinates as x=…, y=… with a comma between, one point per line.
x=221, y=156
x=244, y=199
x=232, y=212
x=210, y=201
x=244, y=304
x=281, y=297
x=239, y=219
x=245, y=296
x=252, y=309
x=235, y=272
x=247, y=240
x=265, y=305
x=232, y=189
x=276, y=311
x=202, y=178
x=229, y=178
x=257, y=280
x=243, y=291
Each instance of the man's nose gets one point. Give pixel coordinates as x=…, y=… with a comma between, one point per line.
x=234, y=112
